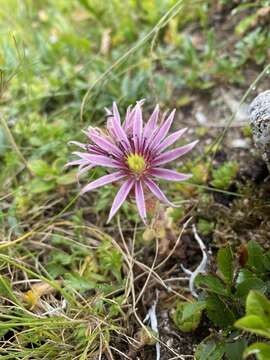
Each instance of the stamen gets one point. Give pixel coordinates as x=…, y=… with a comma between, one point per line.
x=136, y=163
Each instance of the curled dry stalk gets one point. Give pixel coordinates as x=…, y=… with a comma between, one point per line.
x=202, y=265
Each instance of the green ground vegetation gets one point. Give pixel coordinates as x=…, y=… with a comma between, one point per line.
x=66, y=282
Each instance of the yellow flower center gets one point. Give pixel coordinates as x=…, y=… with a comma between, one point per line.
x=136, y=163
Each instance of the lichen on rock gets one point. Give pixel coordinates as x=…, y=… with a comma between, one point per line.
x=260, y=124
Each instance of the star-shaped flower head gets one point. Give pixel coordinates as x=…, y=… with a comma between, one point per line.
x=134, y=154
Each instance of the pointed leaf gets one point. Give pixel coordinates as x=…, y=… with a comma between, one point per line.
x=261, y=350
x=210, y=349
x=212, y=283
x=225, y=264
x=255, y=256
x=219, y=311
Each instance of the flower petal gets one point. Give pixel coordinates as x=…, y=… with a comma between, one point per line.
x=104, y=180
x=108, y=112
x=140, y=200
x=128, y=123
x=77, y=143
x=151, y=125
x=162, y=131
x=110, y=127
x=76, y=162
x=113, y=118
x=94, y=150
x=120, y=197
x=173, y=154
x=152, y=186
x=100, y=160
x=170, y=140
x=170, y=175
x=119, y=132
x=105, y=144
x=137, y=127
x=83, y=168
x=116, y=113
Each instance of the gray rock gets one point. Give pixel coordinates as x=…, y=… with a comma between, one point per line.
x=260, y=124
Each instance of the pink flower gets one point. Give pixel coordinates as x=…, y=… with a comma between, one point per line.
x=135, y=152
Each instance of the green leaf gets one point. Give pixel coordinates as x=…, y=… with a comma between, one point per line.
x=115, y=306
x=247, y=281
x=255, y=256
x=193, y=308
x=6, y=290
x=212, y=283
x=225, y=264
x=245, y=287
x=187, y=316
x=234, y=350
x=253, y=324
x=257, y=319
x=3, y=332
x=37, y=186
x=55, y=270
x=210, y=349
x=110, y=260
x=219, y=311
x=245, y=24
x=5, y=287
x=62, y=258
x=266, y=261
x=258, y=304
x=40, y=167
x=79, y=283
x=261, y=350
x=245, y=275
x=67, y=179
x=3, y=142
